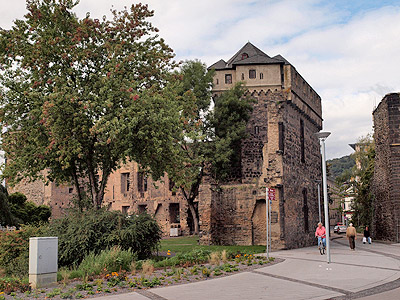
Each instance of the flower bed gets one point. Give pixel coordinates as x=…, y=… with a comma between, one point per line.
x=148, y=277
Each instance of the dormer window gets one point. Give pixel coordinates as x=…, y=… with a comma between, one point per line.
x=244, y=56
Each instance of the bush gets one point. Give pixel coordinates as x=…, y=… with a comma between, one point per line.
x=27, y=212
x=14, y=249
x=80, y=234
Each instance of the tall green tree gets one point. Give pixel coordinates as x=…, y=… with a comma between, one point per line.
x=6, y=217
x=363, y=201
x=80, y=96
x=211, y=133
x=356, y=182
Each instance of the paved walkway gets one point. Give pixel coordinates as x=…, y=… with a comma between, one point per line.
x=371, y=272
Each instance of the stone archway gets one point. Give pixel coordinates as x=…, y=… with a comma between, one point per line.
x=258, y=223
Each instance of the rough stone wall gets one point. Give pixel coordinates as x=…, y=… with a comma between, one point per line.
x=155, y=197
x=252, y=146
x=34, y=191
x=58, y=197
x=386, y=179
x=299, y=187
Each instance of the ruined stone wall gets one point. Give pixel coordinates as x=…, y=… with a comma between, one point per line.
x=34, y=191
x=386, y=179
x=130, y=191
x=301, y=168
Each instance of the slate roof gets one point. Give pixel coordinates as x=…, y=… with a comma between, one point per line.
x=255, y=57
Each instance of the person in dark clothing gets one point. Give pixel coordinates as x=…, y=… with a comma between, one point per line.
x=367, y=236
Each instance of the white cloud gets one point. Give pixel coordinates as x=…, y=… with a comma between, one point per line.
x=350, y=57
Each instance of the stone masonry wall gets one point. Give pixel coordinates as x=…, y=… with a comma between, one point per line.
x=299, y=186
x=386, y=179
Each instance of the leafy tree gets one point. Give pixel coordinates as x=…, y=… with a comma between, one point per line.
x=6, y=218
x=338, y=166
x=211, y=138
x=80, y=96
x=357, y=181
x=27, y=212
x=363, y=201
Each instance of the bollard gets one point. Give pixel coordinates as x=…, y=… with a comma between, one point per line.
x=43, y=257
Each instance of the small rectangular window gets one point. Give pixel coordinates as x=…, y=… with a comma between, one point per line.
x=281, y=137
x=256, y=130
x=174, y=213
x=242, y=76
x=70, y=190
x=125, y=182
x=140, y=182
x=217, y=81
x=228, y=78
x=261, y=76
x=252, y=74
x=125, y=209
x=142, y=208
x=302, y=141
x=171, y=187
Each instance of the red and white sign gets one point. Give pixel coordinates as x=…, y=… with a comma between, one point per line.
x=271, y=194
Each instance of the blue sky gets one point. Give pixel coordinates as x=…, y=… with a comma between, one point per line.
x=347, y=50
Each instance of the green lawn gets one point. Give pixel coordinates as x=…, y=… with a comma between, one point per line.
x=187, y=244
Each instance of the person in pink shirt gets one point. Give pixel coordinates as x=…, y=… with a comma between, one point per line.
x=321, y=234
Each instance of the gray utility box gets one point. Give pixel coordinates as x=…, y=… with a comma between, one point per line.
x=43, y=257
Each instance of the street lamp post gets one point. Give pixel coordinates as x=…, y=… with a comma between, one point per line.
x=319, y=199
x=322, y=136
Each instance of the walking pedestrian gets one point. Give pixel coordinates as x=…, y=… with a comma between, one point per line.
x=351, y=235
x=367, y=236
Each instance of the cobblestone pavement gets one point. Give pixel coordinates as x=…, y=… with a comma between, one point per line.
x=371, y=272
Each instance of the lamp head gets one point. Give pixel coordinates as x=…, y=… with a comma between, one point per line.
x=322, y=135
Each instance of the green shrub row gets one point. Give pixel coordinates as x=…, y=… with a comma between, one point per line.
x=80, y=234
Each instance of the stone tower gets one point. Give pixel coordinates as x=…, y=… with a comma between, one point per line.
x=386, y=179
x=281, y=152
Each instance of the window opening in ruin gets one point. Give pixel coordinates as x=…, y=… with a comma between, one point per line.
x=281, y=137
x=171, y=187
x=302, y=141
x=142, y=208
x=70, y=190
x=141, y=182
x=125, y=209
x=174, y=216
x=256, y=130
x=244, y=56
x=217, y=81
x=125, y=182
x=261, y=76
x=228, y=78
x=242, y=76
x=305, y=210
x=252, y=74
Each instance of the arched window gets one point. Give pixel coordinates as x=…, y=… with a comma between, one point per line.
x=261, y=76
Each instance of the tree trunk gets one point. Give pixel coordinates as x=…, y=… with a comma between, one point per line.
x=195, y=217
x=77, y=186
